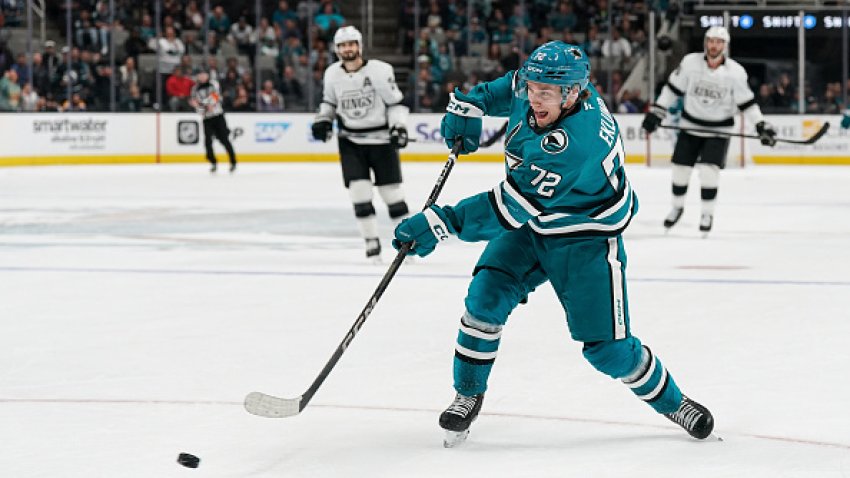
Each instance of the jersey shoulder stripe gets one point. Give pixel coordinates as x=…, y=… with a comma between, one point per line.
x=747, y=104
x=675, y=90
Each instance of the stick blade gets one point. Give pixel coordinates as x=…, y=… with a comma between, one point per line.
x=819, y=134
x=269, y=406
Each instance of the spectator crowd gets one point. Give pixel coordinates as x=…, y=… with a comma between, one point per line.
x=454, y=47
x=228, y=44
x=266, y=65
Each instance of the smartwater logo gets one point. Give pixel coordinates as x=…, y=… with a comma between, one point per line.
x=269, y=132
x=69, y=126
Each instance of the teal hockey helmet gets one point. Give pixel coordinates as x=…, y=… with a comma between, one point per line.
x=555, y=63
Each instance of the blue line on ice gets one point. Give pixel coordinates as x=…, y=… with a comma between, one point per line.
x=671, y=280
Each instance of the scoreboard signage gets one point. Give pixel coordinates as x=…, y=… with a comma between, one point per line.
x=770, y=22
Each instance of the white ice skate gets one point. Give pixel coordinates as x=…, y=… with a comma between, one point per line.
x=673, y=218
x=373, y=250
x=705, y=223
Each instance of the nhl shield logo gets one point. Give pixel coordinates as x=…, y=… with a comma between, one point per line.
x=188, y=132
x=555, y=142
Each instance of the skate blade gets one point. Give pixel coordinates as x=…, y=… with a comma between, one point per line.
x=713, y=437
x=375, y=260
x=454, y=439
x=705, y=234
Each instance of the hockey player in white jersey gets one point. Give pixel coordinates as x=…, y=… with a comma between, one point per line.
x=714, y=88
x=363, y=97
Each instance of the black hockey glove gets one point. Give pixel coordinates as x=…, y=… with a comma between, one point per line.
x=653, y=118
x=767, y=135
x=322, y=130
x=398, y=136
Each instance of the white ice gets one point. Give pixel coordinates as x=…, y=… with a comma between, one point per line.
x=139, y=304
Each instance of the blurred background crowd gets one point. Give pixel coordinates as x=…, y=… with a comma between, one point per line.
x=270, y=55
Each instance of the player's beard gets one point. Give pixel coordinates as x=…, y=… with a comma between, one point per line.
x=714, y=54
x=350, y=55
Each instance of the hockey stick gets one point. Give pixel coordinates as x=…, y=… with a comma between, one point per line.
x=269, y=406
x=496, y=136
x=810, y=140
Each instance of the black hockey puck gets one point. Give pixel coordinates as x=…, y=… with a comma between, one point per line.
x=188, y=460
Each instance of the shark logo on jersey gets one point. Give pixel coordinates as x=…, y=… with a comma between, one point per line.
x=708, y=93
x=555, y=142
x=512, y=161
x=356, y=103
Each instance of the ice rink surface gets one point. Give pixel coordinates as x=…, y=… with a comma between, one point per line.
x=139, y=304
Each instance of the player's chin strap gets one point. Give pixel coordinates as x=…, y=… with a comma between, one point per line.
x=566, y=97
x=576, y=106
x=572, y=109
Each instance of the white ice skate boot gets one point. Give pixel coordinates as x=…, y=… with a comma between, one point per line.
x=673, y=217
x=373, y=250
x=705, y=223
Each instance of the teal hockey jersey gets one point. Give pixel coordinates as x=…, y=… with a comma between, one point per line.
x=563, y=180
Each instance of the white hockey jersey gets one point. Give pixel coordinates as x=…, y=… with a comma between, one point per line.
x=366, y=103
x=712, y=97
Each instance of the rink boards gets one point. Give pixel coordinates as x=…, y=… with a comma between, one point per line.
x=43, y=139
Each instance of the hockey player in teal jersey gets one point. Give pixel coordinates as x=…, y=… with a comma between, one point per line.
x=557, y=216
